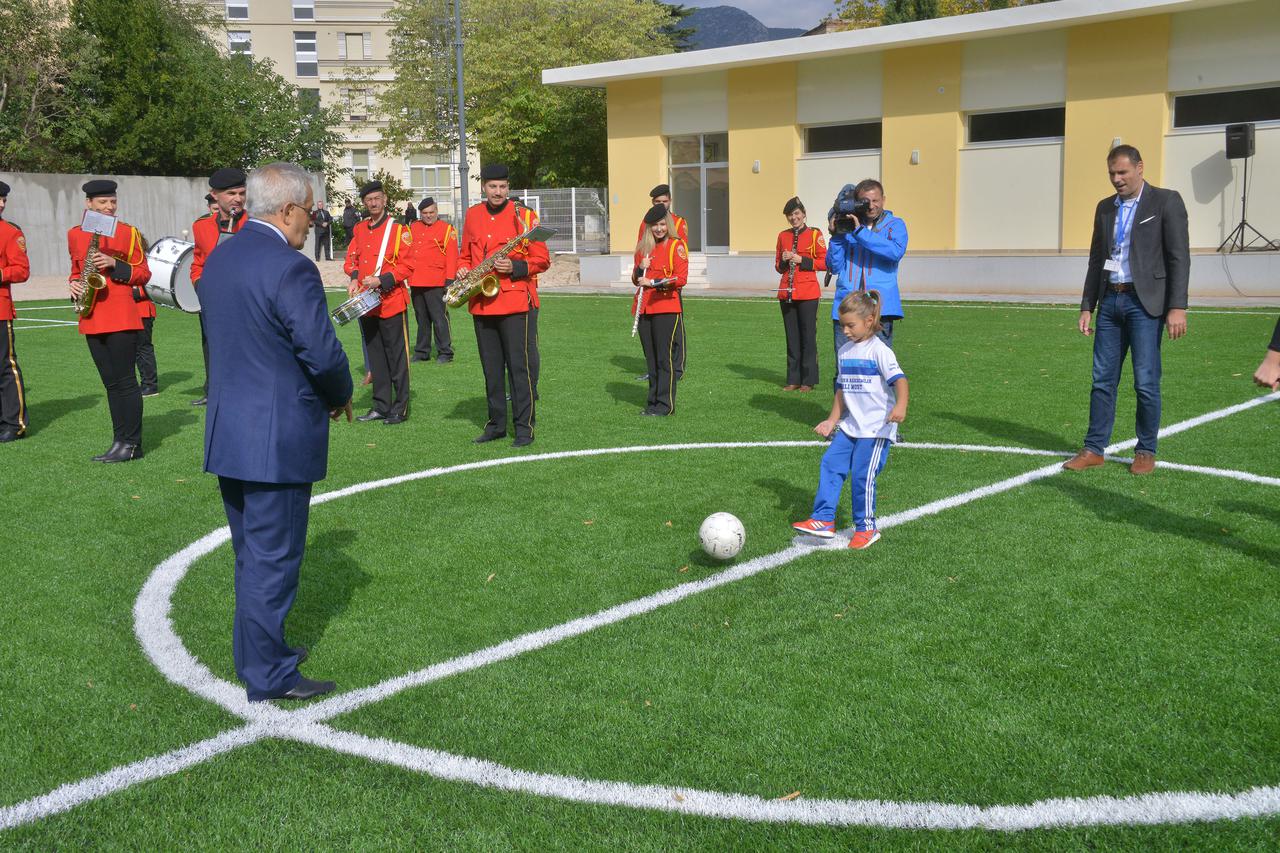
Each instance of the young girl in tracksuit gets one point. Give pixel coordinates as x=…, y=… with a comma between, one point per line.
x=870, y=402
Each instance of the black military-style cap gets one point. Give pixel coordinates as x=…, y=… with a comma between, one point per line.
x=4, y=190
x=97, y=187
x=371, y=187
x=209, y=199
x=656, y=214
x=426, y=202
x=660, y=189
x=495, y=172
x=226, y=179
x=793, y=204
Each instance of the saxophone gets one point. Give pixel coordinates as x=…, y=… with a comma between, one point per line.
x=482, y=278
x=93, y=282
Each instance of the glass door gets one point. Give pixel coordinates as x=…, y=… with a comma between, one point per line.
x=699, y=165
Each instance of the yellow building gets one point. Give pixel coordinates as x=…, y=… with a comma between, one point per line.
x=988, y=131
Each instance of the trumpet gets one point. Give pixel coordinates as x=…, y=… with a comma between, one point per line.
x=91, y=280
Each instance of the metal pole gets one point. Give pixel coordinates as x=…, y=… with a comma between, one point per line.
x=462, y=108
x=573, y=218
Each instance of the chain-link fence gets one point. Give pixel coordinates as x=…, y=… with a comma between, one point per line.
x=578, y=214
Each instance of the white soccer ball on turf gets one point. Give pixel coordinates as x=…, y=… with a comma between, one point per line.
x=722, y=535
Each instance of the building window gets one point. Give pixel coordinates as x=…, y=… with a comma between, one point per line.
x=861, y=136
x=1243, y=105
x=342, y=45
x=237, y=10
x=304, y=54
x=699, y=148
x=239, y=42
x=367, y=45
x=358, y=101
x=1046, y=123
x=359, y=165
x=430, y=174
x=304, y=10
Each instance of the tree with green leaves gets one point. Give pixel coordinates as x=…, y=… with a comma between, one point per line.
x=856, y=14
x=548, y=135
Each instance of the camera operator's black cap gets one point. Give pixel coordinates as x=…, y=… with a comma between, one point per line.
x=495, y=172
x=660, y=189
x=656, y=214
x=209, y=199
x=4, y=190
x=97, y=187
x=792, y=205
x=227, y=179
x=371, y=187
x=426, y=202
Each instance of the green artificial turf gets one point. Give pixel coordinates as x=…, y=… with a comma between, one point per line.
x=1082, y=635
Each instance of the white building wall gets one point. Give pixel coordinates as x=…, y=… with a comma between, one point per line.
x=846, y=88
x=819, y=178
x=1010, y=197
x=695, y=103
x=1022, y=71
x=1225, y=47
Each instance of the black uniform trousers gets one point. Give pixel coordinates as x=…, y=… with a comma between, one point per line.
x=322, y=240
x=800, y=320
x=147, y=357
x=679, y=353
x=115, y=354
x=13, y=394
x=387, y=349
x=504, y=344
x=535, y=356
x=660, y=335
x=433, y=317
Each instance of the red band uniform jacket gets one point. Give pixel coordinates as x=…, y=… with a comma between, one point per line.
x=485, y=232
x=205, y=232
x=115, y=310
x=362, y=261
x=433, y=255
x=812, y=247
x=14, y=266
x=669, y=259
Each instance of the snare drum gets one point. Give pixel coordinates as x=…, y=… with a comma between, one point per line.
x=357, y=306
x=170, y=284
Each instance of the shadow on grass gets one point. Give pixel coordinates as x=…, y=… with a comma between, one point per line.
x=1021, y=435
x=44, y=413
x=157, y=428
x=755, y=373
x=473, y=410
x=629, y=364
x=795, y=502
x=328, y=583
x=173, y=377
x=1268, y=514
x=802, y=408
x=1111, y=507
x=631, y=393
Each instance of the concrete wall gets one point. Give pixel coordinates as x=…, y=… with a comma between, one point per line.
x=45, y=206
x=1010, y=197
x=637, y=156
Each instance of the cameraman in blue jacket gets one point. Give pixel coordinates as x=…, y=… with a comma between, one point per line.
x=867, y=242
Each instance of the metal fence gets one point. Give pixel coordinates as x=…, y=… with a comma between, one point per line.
x=578, y=214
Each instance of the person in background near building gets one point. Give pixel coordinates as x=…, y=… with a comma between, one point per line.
x=349, y=218
x=1268, y=373
x=378, y=257
x=211, y=204
x=14, y=269
x=433, y=264
x=322, y=222
x=225, y=218
x=148, y=373
x=111, y=329
x=661, y=269
x=410, y=214
x=661, y=194
x=277, y=375
x=864, y=253
x=800, y=254
x=502, y=321
x=1138, y=275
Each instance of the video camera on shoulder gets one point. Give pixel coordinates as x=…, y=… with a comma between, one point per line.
x=846, y=203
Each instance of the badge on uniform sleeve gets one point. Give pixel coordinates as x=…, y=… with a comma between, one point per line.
x=22, y=242
x=404, y=236
x=680, y=250
x=822, y=243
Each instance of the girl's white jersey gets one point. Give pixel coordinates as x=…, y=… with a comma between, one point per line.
x=866, y=373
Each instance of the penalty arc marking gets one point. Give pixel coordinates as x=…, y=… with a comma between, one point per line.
x=166, y=650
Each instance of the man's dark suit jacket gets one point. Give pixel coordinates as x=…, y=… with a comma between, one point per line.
x=276, y=368
x=321, y=219
x=1159, y=251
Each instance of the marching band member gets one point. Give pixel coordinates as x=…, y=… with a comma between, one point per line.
x=378, y=256
x=225, y=217
x=800, y=254
x=111, y=330
x=14, y=269
x=663, y=258
x=661, y=194
x=433, y=263
x=503, y=333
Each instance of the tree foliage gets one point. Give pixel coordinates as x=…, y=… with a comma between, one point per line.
x=856, y=14
x=547, y=135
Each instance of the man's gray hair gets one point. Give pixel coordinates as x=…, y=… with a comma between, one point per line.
x=274, y=185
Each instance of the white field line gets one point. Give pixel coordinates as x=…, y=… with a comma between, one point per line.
x=67, y=307
x=1072, y=307
x=31, y=324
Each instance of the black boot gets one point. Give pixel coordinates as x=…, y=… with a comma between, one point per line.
x=123, y=453
x=115, y=448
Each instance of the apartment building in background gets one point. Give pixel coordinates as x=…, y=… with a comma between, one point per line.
x=317, y=45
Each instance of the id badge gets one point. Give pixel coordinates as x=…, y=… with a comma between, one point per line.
x=1111, y=265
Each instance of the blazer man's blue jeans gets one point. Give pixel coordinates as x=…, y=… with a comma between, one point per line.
x=1124, y=326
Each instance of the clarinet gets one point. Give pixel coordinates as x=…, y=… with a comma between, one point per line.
x=791, y=266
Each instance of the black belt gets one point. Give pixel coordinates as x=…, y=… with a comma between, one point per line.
x=1122, y=287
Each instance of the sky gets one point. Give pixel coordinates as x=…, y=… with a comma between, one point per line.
x=794, y=13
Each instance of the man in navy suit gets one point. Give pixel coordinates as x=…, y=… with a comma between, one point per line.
x=276, y=375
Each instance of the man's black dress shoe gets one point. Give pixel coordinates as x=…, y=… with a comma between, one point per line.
x=203, y=401
x=488, y=436
x=121, y=452
x=10, y=434
x=420, y=358
x=151, y=391
x=307, y=689
x=444, y=359
x=522, y=441
x=396, y=419
x=372, y=415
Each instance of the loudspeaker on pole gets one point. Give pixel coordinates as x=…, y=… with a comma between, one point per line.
x=1239, y=141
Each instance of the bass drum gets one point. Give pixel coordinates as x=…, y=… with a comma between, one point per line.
x=170, y=284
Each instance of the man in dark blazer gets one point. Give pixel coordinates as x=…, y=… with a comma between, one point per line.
x=1139, y=267
x=276, y=375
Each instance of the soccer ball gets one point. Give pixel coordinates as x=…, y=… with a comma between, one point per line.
x=722, y=535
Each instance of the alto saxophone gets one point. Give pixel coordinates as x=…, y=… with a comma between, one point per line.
x=482, y=278
x=91, y=280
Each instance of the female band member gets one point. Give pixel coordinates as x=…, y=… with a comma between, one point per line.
x=112, y=329
x=801, y=253
x=661, y=269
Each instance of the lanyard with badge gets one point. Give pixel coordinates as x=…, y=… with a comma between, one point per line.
x=1124, y=227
